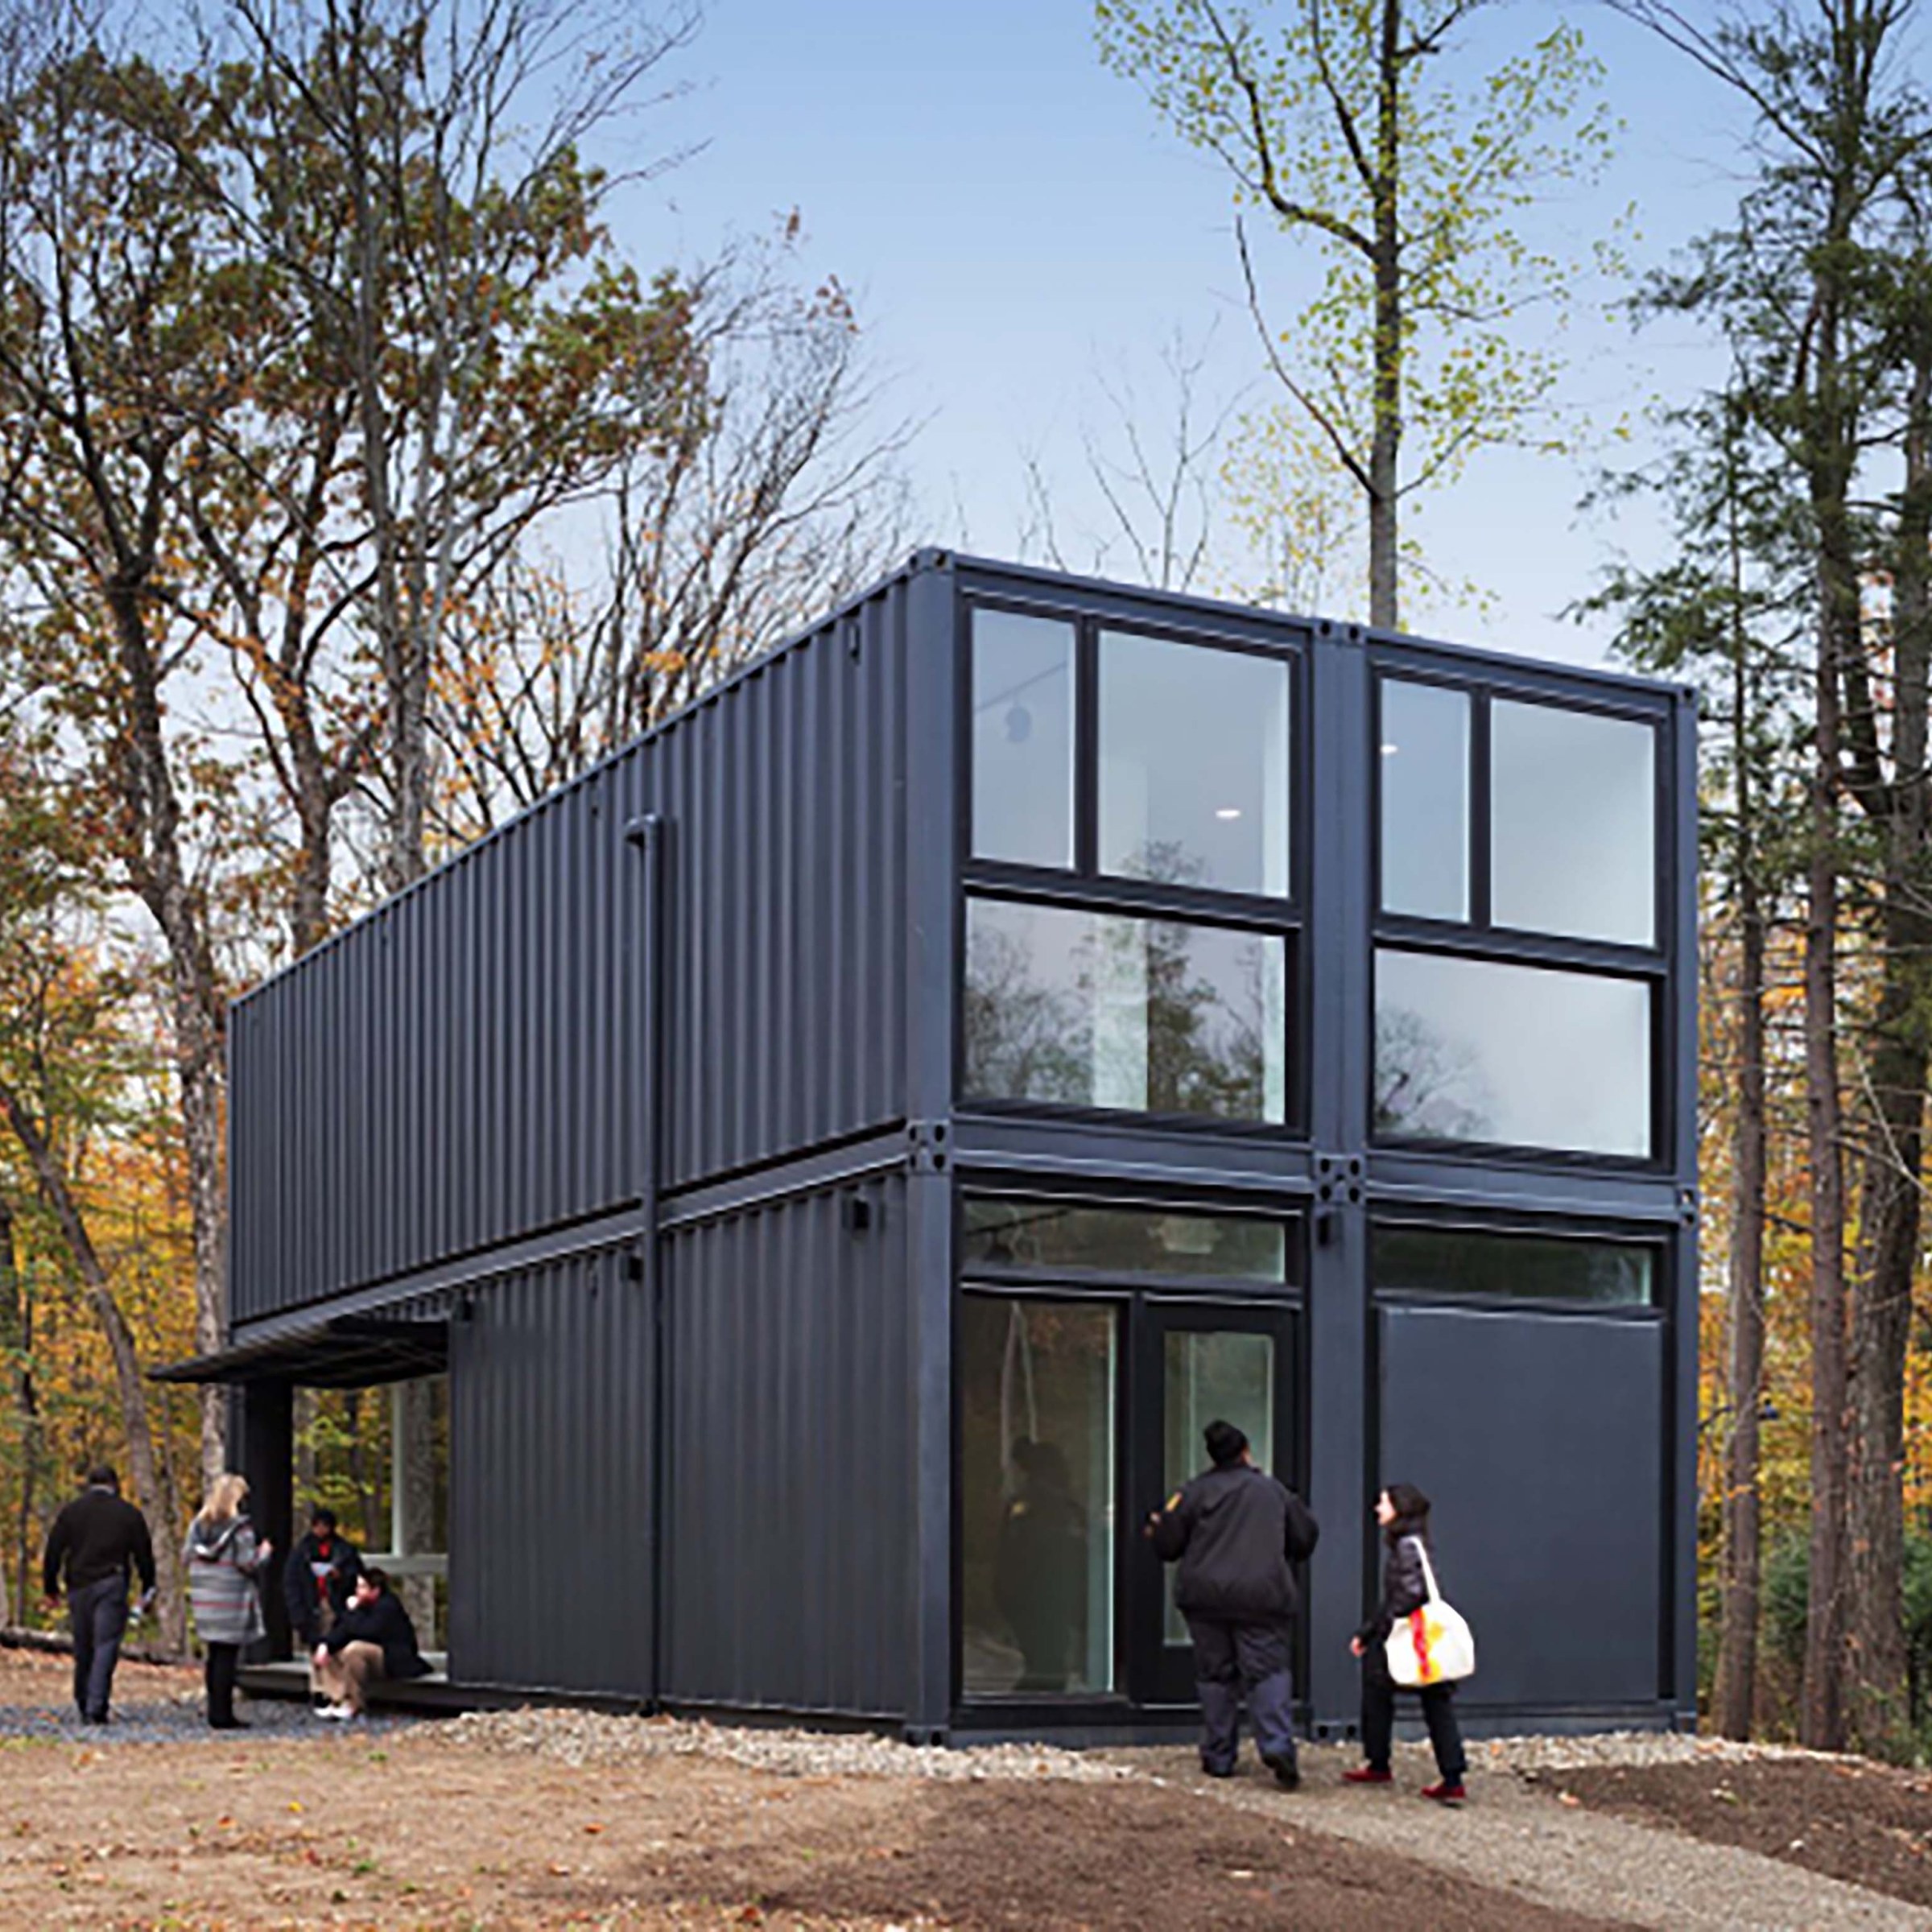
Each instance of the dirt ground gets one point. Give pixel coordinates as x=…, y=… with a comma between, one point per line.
x=1864, y=1823
x=401, y=1830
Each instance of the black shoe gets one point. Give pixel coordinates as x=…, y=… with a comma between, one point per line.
x=1217, y=1770
x=230, y=1723
x=1287, y=1772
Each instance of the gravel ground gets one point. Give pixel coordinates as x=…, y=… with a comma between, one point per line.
x=589, y=1737
x=177, y=1723
x=1513, y=1837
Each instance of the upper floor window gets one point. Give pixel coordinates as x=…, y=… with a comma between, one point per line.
x=1516, y=816
x=1194, y=765
x=1116, y=754
x=1022, y=738
x=1573, y=824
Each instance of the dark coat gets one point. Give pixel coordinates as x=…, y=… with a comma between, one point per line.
x=1236, y=1533
x=97, y=1536
x=385, y=1622
x=305, y=1592
x=1404, y=1587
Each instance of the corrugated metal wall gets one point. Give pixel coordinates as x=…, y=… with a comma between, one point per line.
x=789, y=1458
x=458, y=1069
x=551, y=1434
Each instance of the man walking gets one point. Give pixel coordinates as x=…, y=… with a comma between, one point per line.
x=1235, y=1531
x=97, y=1536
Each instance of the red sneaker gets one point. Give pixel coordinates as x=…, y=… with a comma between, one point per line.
x=1367, y=1774
x=1445, y=1793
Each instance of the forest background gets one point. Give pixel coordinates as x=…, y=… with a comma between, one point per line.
x=359, y=481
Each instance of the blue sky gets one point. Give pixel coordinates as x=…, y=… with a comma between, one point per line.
x=1014, y=218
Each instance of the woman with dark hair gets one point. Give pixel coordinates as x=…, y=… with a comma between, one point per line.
x=1403, y=1512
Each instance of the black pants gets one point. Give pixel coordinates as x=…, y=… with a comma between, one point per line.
x=223, y=1661
x=1230, y=1657
x=1378, y=1718
x=97, y=1614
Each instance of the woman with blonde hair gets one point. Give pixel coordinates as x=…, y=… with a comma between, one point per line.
x=224, y=1559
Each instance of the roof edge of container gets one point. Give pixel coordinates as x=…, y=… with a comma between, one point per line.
x=1348, y=631
x=925, y=559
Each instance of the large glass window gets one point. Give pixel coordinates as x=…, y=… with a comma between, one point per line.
x=1476, y=1050
x=1042, y=1235
x=1573, y=814
x=1100, y=1010
x=1036, y=1392
x=1194, y=765
x=1424, y=763
x=1544, y=1267
x=1022, y=738
x=1212, y=1375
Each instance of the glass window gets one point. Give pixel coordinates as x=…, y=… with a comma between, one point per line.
x=1052, y=1235
x=1574, y=824
x=1194, y=765
x=1424, y=763
x=1036, y=1386
x=1213, y=1375
x=1097, y=1009
x=1540, y=1268
x=1475, y=1050
x=1022, y=738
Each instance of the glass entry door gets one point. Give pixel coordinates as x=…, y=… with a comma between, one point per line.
x=1196, y=1365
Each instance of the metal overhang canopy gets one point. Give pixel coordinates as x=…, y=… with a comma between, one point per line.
x=345, y=1351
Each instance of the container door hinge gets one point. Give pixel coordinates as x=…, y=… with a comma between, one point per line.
x=1340, y=1179
x=928, y=1146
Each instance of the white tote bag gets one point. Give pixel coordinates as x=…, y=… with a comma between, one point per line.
x=1432, y=1645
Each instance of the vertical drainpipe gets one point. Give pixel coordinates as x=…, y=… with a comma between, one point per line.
x=650, y=834
x=929, y=792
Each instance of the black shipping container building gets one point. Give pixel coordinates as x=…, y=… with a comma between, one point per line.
x=836, y=1155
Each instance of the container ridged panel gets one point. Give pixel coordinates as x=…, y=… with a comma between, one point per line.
x=789, y=1458
x=786, y=800
x=460, y=1069
x=551, y=1431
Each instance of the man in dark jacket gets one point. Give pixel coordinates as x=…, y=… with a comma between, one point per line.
x=372, y=1638
x=97, y=1536
x=1236, y=1533
x=320, y=1579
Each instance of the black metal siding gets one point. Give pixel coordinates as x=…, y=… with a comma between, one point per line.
x=789, y=1466
x=458, y=1071
x=550, y=1432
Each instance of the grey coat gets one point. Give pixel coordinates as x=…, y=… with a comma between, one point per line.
x=222, y=1560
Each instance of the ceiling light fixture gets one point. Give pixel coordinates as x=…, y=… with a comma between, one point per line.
x=1229, y=811
x=1389, y=751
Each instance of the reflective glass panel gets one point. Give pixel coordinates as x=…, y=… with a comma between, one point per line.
x=1022, y=738
x=1000, y=1233
x=1475, y=1050
x=1573, y=808
x=1097, y=1009
x=1213, y=1375
x=1424, y=763
x=1194, y=765
x=1452, y=1261
x=1037, y=1384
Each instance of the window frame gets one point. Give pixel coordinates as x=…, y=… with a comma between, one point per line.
x=1480, y=939
x=1085, y=888
x=1657, y=1239
x=1294, y=1020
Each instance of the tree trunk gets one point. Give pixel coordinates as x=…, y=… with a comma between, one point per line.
x=151, y=1487
x=1822, y=1717
x=153, y=812
x=1736, y=1695
x=1882, y=1312
x=13, y=1362
x=1384, y=451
